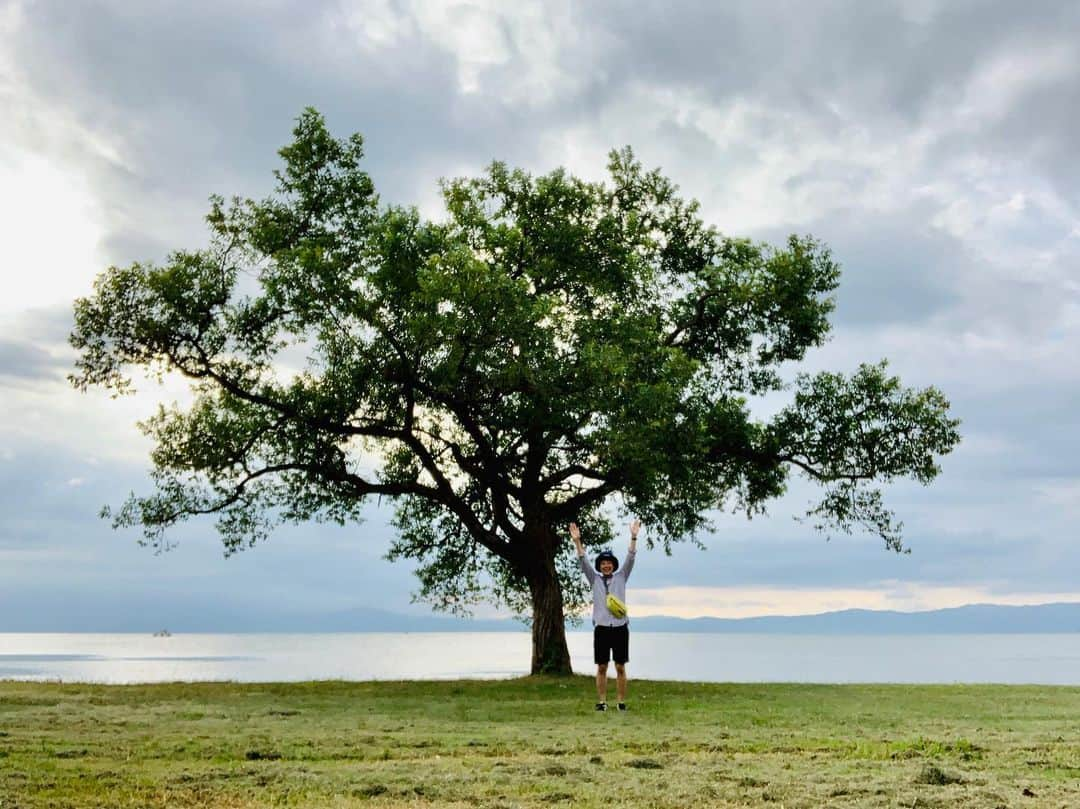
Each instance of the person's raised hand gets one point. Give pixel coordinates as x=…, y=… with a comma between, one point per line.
x=575, y=532
x=635, y=526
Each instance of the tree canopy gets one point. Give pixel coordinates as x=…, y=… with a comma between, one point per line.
x=547, y=346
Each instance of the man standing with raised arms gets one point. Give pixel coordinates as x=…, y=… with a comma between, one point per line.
x=611, y=628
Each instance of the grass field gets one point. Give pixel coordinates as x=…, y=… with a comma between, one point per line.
x=537, y=742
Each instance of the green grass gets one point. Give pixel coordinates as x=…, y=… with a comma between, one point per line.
x=536, y=742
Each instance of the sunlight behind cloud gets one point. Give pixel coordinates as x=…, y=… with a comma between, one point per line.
x=53, y=232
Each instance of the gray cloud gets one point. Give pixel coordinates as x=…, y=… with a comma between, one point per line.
x=876, y=60
x=49, y=326
x=200, y=98
x=24, y=360
x=895, y=268
x=900, y=134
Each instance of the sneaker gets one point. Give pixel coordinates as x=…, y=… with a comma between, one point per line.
x=622, y=706
x=601, y=706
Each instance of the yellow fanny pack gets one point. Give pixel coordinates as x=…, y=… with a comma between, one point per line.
x=615, y=606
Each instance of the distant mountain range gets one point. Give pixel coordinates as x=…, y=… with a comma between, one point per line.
x=971, y=619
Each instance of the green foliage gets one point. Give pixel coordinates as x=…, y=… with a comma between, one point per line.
x=550, y=345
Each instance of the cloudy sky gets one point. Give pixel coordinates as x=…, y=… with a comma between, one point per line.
x=930, y=143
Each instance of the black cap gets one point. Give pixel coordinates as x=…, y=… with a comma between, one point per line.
x=606, y=554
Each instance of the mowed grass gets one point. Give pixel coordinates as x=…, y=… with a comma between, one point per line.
x=536, y=742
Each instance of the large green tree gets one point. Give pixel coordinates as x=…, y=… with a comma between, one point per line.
x=548, y=347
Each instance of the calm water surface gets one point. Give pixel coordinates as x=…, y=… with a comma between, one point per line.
x=135, y=658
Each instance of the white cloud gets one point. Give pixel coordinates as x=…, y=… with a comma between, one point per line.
x=379, y=23
x=508, y=53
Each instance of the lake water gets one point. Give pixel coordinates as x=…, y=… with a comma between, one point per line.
x=135, y=658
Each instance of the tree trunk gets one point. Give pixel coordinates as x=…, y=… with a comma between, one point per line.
x=550, y=653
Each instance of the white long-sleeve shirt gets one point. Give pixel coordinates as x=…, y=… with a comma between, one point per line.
x=616, y=585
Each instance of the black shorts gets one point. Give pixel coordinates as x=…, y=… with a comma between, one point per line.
x=611, y=641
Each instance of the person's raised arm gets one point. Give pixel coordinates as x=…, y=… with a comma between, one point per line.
x=575, y=534
x=635, y=526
